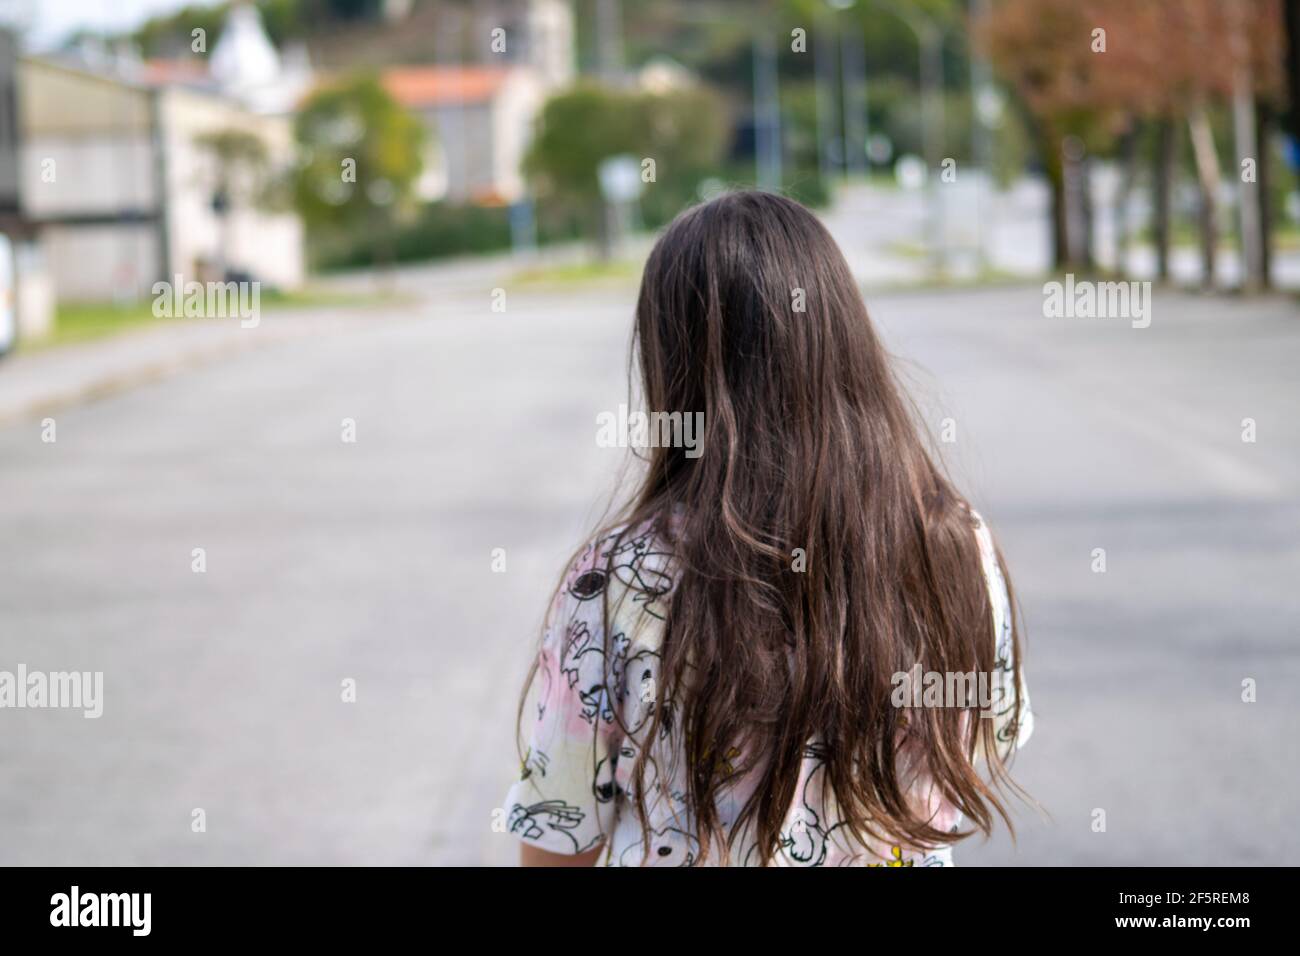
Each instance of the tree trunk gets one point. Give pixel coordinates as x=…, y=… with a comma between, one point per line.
x=1292, y=9
x=1075, y=177
x=1129, y=155
x=1163, y=182
x=1264, y=130
x=1247, y=143
x=1055, y=170
x=1087, y=218
x=1207, y=172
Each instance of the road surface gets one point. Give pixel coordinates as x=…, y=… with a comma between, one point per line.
x=372, y=562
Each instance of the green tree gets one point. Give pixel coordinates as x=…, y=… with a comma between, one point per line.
x=682, y=131
x=361, y=154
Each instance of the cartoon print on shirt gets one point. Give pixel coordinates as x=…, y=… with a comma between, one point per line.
x=535, y=762
x=808, y=832
x=549, y=816
x=643, y=570
x=601, y=664
x=592, y=669
x=605, y=785
x=895, y=858
x=588, y=585
x=544, y=675
x=669, y=846
x=643, y=687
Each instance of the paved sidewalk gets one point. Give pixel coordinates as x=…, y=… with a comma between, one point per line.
x=35, y=384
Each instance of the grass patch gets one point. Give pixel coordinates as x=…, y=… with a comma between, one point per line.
x=908, y=249
x=77, y=322
x=580, y=273
x=85, y=322
x=311, y=298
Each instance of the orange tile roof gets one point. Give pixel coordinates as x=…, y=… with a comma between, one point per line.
x=164, y=72
x=417, y=86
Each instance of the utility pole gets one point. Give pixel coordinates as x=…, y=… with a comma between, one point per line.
x=609, y=40
x=853, y=63
x=981, y=87
x=767, y=109
x=1247, y=143
x=1292, y=18
x=929, y=41
x=824, y=67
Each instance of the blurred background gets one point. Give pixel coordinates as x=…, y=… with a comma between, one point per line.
x=445, y=206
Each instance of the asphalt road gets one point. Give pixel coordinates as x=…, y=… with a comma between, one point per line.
x=371, y=561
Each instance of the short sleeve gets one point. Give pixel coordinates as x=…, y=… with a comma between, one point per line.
x=565, y=799
x=1009, y=732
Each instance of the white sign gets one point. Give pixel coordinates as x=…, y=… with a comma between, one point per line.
x=8, y=295
x=910, y=171
x=620, y=178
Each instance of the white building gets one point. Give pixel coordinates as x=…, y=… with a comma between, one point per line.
x=480, y=117
x=107, y=185
x=115, y=176
x=109, y=176
x=480, y=121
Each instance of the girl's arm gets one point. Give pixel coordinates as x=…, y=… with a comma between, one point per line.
x=565, y=801
x=530, y=855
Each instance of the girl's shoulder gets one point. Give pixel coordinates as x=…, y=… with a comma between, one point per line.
x=625, y=571
x=982, y=534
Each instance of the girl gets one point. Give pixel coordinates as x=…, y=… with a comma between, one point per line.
x=731, y=673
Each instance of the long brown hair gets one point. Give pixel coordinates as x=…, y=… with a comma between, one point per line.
x=748, y=313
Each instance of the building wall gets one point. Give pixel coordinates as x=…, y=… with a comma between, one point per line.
x=68, y=174
x=121, y=190
x=464, y=134
x=86, y=176
x=35, y=292
x=480, y=146
x=265, y=243
x=8, y=121
x=102, y=263
x=514, y=113
x=86, y=144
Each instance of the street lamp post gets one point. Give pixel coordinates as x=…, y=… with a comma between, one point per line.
x=852, y=58
x=609, y=37
x=982, y=153
x=767, y=112
x=824, y=69
x=929, y=39
x=767, y=105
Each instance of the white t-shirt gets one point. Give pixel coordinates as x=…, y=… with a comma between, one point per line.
x=575, y=781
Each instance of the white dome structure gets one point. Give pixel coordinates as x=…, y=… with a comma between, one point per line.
x=244, y=54
x=245, y=65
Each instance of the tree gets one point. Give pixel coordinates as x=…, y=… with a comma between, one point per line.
x=679, y=132
x=1161, y=62
x=361, y=156
x=239, y=176
x=1198, y=56
x=1292, y=25
x=1051, y=54
x=575, y=131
